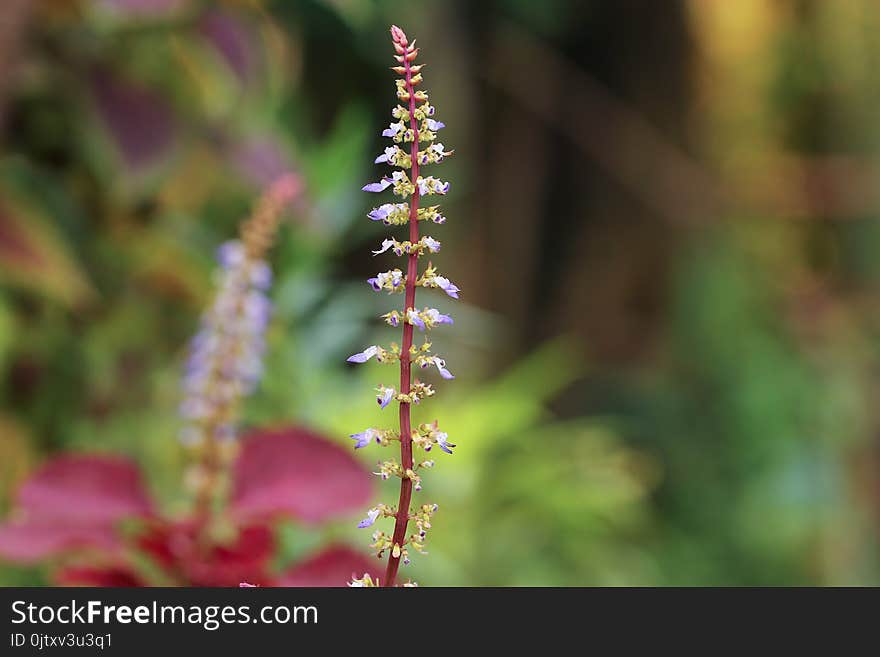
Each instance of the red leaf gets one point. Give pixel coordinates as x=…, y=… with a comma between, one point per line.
x=30, y=541
x=333, y=566
x=86, y=489
x=176, y=548
x=296, y=472
x=117, y=576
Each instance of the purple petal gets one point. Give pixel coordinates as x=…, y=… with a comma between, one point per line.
x=374, y=283
x=372, y=514
x=386, y=244
x=447, y=286
x=380, y=213
x=364, y=355
x=441, y=367
x=443, y=442
x=361, y=439
x=392, y=130
x=377, y=186
x=385, y=398
x=230, y=254
x=261, y=276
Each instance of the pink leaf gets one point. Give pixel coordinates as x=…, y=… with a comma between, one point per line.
x=296, y=472
x=334, y=566
x=31, y=541
x=72, y=502
x=86, y=488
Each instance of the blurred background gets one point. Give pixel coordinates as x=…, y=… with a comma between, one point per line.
x=664, y=219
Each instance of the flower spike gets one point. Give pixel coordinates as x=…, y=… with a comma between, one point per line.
x=413, y=145
x=225, y=357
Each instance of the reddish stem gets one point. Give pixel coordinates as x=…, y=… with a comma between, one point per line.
x=412, y=270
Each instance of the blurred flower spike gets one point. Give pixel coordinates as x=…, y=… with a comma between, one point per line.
x=414, y=134
x=225, y=359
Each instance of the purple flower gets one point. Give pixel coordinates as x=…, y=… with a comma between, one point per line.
x=391, y=280
x=441, y=367
x=413, y=317
x=431, y=244
x=392, y=130
x=386, y=244
x=393, y=321
x=261, y=275
x=380, y=186
x=363, y=356
x=443, y=442
x=387, y=155
x=384, y=397
x=431, y=185
x=382, y=212
x=257, y=310
x=372, y=514
x=437, y=317
x=434, y=125
x=230, y=254
x=447, y=286
x=364, y=438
